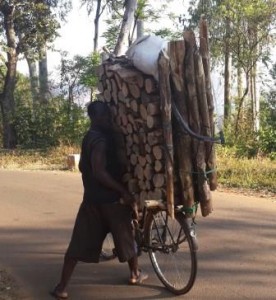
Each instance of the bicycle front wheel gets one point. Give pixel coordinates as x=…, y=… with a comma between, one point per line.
x=172, y=251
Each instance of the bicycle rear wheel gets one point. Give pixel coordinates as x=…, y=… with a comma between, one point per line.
x=172, y=251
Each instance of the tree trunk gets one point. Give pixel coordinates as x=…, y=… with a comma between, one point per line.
x=227, y=102
x=256, y=114
x=128, y=19
x=7, y=96
x=96, y=23
x=140, y=28
x=33, y=78
x=239, y=81
x=43, y=76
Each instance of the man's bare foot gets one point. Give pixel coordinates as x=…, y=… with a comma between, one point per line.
x=138, y=279
x=59, y=293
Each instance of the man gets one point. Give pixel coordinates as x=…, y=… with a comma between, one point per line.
x=101, y=211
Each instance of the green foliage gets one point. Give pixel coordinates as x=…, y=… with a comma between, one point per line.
x=77, y=73
x=268, y=119
x=258, y=173
x=88, y=75
x=49, y=125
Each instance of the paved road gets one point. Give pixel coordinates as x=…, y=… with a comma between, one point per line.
x=237, y=254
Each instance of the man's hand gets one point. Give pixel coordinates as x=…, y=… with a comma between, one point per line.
x=128, y=199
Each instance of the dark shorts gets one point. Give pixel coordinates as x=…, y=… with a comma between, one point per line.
x=92, y=224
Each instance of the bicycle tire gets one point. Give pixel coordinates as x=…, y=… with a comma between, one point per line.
x=108, y=249
x=175, y=263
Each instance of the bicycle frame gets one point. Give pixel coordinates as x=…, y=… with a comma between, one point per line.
x=151, y=208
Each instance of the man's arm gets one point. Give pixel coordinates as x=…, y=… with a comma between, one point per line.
x=98, y=161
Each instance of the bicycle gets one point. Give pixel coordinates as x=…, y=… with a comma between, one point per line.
x=170, y=243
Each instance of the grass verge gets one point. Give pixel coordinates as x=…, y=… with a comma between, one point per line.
x=255, y=174
x=38, y=159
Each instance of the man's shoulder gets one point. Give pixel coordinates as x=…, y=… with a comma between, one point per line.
x=92, y=137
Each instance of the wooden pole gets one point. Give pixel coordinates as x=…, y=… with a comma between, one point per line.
x=210, y=149
x=165, y=99
x=202, y=188
x=182, y=141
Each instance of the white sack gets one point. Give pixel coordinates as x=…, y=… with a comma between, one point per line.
x=144, y=53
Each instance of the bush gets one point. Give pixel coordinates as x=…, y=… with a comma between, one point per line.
x=51, y=124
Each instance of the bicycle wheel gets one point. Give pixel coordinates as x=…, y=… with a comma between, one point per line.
x=172, y=251
x=108, y=249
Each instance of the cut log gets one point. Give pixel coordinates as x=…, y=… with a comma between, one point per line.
x=129, y=128
x=153, y=108
x=142, y=160
x=139, y=172
x=142, y=185
x=124, y=122
x=159, y=166
x=210, y=150
x=107, y=95
x=153, y=122
x=158, y=180
x=194, y=118
x=131, y=76
x=118, y=81
x=133, y=159
x=136, y=149
x=148, y=148
x=135, y=138
x=149, y=158
x=129, y=141
x=134, y=106
x=125, y=89
x=157, y=152
x=148, y=172
x=114, y=91
x=134, y=91
x=155, y=137
x=143, y=111
x=146, y=98
x=182, y=141
x=150, y=85
x=143, y=196
x=121, y=96
x=155, y=194
x=108, y=85
x=165, y=98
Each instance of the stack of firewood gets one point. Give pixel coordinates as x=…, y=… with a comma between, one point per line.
x=135, y=105
x=163, y=161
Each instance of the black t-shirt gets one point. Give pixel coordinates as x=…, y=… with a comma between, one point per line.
x=94, y=191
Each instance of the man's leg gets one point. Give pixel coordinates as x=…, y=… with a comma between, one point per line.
x=136, y=275
x=133, y=267
x=67, y=271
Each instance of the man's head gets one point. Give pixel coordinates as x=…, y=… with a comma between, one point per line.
x=99, y=114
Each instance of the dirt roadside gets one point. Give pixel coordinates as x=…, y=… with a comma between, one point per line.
x=8, y=287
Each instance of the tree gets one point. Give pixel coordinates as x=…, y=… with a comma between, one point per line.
x=146, y=11
x=27, y=25
x=127, y=22
x=241, y=32
x=7, y=96
x=79, y=74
